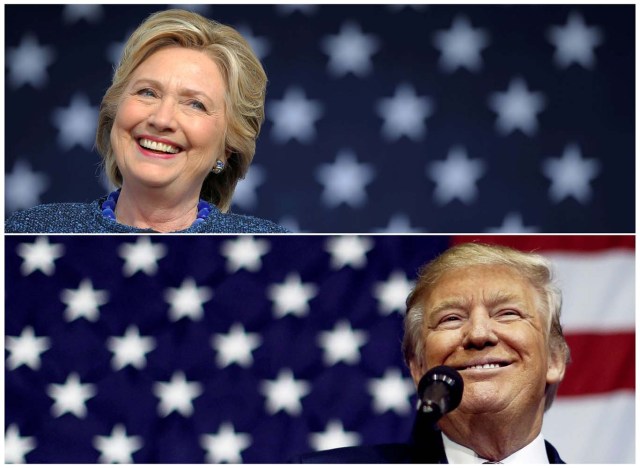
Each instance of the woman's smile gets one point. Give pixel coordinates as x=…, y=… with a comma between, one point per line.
x=157, y=147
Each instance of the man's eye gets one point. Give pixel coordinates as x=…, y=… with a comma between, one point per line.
x=450, y=320
x=509, y=313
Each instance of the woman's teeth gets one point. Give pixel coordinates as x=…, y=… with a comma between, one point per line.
x=157, y=146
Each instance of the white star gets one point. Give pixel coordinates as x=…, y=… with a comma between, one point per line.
x=344, y=180
x=348, y=251
x=460, y=46
x=141, y=256
x=83, y=302
x=236, y=346
x=26, y=349
x=225, y=446
x=392, y=294
x=39, y=255
x=513, y=223
x=391, y=392
x=28, y=63
x=350, y=51
x=334, y=436
x=244, y=252
x=575, y=42
x=400, y=223
x=342, y=344
x=456, y=177
x=294, y=117
x=187, y=300
x=15, y=446
x=23, y=186
x=245, y=195
x=74, y=13
x=117, y=447
x=517, y=108
x=76, y=123
x=130, y=349
x=284, y=393
x=260, y=45
x=570, y=175
x=288, y=9
x=115, y=49
x=176, y=395
x=404, y=114
x=71, y=396
x=292, y=296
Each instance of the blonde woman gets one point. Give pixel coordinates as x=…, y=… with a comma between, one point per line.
x=176, y=130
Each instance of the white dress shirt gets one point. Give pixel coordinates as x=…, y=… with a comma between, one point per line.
x=535, y=452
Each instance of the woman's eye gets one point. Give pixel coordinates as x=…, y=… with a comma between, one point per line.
x=197, y=105
x=146, y=92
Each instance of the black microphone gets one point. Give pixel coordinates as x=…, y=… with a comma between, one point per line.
x=439, y=391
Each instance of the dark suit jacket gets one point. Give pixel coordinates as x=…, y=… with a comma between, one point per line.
x=430, y=450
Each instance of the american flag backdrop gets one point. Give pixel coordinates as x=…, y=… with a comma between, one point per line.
x=253, y=349
x=393, y=118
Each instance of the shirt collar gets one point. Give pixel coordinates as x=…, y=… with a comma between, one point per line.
x=534, y=452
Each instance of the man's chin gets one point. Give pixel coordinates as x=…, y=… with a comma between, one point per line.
x=483, y=400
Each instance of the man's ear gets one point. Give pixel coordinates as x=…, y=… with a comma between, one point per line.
x=556, y=365
x=416, y=372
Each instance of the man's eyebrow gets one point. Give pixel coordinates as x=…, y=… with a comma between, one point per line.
x=503, y=297
x=493, y=300
x=451, y=303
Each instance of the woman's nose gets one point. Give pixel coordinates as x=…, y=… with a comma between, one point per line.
x=163, y=117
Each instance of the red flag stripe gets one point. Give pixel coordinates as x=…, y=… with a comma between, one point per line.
x=600, y=363
x=550, y=243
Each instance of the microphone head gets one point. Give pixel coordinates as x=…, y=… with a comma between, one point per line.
x=448, y=376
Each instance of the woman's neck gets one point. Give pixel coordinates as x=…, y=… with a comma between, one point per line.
x=155, y=210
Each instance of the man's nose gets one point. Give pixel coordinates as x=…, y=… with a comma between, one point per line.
x=163, y=116
x=479, y=330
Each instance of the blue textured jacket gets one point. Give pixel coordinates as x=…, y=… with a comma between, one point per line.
x=88, y=218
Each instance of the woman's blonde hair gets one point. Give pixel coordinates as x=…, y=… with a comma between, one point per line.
x=244, y=98
x=535, y=268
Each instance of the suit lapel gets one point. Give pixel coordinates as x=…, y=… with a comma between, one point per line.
x=552, y=454
x=427, y=447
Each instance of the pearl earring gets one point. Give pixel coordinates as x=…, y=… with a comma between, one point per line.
x=219, y=167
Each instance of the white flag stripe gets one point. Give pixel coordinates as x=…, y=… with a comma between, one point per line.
x=596, y=429
x=598, y=290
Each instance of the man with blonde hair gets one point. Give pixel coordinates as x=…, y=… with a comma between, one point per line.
x=491, y=313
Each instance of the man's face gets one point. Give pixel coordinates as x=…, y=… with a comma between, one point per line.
x=484, y=322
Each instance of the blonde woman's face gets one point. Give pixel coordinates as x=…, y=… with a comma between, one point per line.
x=170, y=123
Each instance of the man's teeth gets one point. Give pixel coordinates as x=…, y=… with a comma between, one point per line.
x=484, y=366
x=157, y=146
